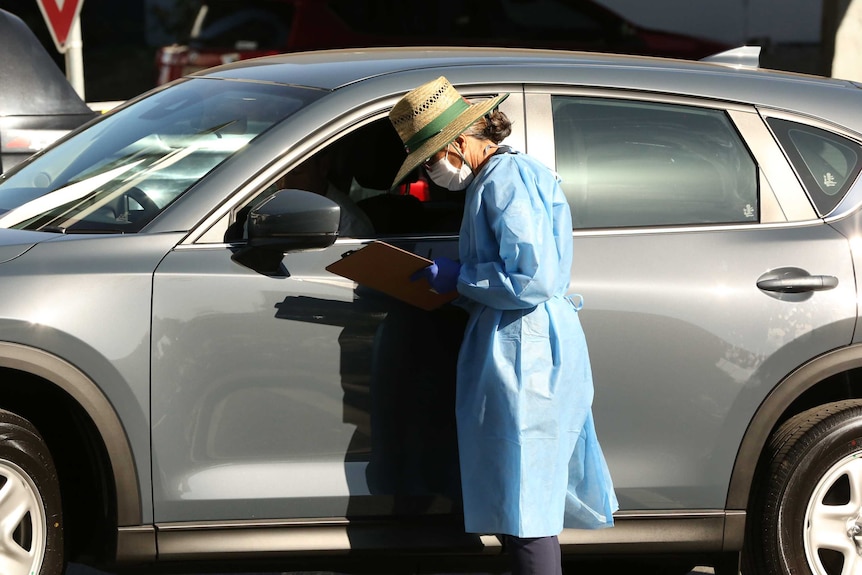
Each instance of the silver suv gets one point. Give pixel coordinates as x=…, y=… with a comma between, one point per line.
x=183, y=381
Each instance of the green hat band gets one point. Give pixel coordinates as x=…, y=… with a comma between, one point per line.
x=436, y=125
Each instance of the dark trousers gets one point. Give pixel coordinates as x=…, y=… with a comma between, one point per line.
x=534, y=556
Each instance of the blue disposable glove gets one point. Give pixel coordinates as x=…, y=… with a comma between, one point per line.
x=442, y=275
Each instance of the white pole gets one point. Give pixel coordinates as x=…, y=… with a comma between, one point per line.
x=75, y=57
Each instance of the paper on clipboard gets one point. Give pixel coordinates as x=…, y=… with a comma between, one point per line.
x=386, y=268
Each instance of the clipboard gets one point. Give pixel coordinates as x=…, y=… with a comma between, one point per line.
x=387, y=268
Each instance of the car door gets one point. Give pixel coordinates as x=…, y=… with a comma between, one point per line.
x=687, y=218
x=298, y=394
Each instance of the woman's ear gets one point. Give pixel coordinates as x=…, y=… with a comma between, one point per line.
x=461, y=143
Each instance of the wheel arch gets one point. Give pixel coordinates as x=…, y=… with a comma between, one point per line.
x=83, y=391
x=809, y=380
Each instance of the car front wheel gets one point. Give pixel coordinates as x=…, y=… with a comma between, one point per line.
x=31, y=521
x=806, y=512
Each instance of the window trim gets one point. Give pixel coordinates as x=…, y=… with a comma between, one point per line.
x=791, y=203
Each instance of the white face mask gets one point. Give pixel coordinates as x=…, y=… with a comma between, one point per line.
x=444, y=174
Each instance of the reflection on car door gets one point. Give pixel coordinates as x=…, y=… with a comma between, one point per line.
x=298, y=396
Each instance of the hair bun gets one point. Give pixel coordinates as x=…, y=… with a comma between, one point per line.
x=497, y=126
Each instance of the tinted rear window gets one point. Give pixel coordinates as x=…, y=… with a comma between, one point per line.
x=630, y=163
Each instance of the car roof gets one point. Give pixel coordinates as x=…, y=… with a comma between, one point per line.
x=828, y=99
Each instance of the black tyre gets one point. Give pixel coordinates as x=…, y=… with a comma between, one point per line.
x=31, y=518
x=805, y=515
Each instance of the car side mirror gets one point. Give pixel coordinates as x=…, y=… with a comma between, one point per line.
x=288, y=220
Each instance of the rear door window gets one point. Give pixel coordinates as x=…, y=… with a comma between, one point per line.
x=628, y=163
x=827, y=163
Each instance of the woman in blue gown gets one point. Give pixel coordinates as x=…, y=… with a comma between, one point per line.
x=530, y=460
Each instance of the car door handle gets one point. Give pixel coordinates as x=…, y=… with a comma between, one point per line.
x=797, y=284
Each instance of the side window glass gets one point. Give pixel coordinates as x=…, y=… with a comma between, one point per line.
x=827, y=163
x=357, y=172
x=326, y=174
x=634, y=164
x=374, y=153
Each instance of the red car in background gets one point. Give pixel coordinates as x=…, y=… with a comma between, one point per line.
x=228, y=30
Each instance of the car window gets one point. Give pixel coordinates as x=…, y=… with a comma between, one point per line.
x=827, y=163
x=242, y=25
x=122, y=172
x=630, y=163
x=357, y=173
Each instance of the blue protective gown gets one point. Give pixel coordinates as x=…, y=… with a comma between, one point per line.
x=530, y=460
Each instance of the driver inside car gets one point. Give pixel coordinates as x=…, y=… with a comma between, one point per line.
x=313, y=175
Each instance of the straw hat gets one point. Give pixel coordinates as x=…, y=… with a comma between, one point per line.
x=430, y=117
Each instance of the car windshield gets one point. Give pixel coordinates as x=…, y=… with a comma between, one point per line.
x=122, y=172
